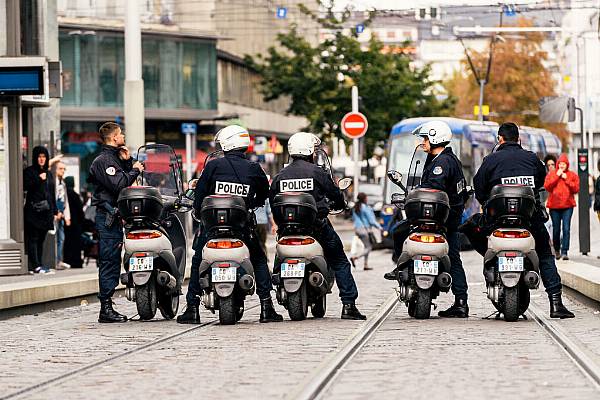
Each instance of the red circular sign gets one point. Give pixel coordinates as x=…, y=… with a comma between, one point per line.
x=354, y=125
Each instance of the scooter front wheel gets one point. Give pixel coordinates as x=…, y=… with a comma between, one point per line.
x=146, y=299
x=168, y=304
x=298, y=303
x=320, y=307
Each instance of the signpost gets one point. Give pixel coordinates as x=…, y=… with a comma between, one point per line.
x=354, y=125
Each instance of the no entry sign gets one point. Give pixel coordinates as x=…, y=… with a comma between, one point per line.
x=354, y=125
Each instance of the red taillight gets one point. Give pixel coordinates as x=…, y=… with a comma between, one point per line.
x=224, y=244
x=510, y=254
x=223, y=265
x=296, y=241
x=143, y=235
x=423, y=238
x=426, y=258
x=140, y=254
x=511, y=234
x=292, y=261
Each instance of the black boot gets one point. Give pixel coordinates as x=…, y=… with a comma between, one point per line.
x=557, y=308
x=108, y=314
x=460, y=309
x=349, y=311
x=191, y=315
x=267, y=311
x=392, y=275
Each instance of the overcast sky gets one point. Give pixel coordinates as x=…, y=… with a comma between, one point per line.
x=403, y=4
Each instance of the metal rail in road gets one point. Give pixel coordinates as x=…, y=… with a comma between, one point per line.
x=108, y=360
x=574, y=351
x=317, y=382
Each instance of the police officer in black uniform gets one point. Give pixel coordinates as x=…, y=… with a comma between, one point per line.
x=310, y=178
x=112, y=171
x=442, y=171
x=509, y=162
x=232, y=174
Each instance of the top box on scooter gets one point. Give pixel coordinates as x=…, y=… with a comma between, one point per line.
x=427, y=205
x=511, y=200
x=140, y=202
x=294, y=208
x=224, y=212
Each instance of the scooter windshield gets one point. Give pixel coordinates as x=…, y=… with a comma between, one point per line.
x=161, y=169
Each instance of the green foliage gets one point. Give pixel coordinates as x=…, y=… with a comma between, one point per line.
x=317, y=79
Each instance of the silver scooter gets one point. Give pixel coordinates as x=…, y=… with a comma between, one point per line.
x=424, y=265
x=155, y=241
x=511, y=264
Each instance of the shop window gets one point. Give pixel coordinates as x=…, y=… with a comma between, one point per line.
x=151, y=72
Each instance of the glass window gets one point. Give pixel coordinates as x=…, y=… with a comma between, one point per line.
x=67, y=56
x=4, y=199
x=150, y=72
x=88, y=74
x=169, y=74
x=110, y=81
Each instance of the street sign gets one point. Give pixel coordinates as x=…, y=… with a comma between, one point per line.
x=510, y=10
x=281, y=12
x=360, y=28
x=188, y=128
x=354, y=125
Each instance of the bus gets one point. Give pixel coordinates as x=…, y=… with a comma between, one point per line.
x=471, y=142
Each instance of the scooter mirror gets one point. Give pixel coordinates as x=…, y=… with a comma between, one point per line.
x=345, y=183
x=394, y=176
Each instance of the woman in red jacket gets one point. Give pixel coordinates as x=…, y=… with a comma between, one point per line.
x=562, y=186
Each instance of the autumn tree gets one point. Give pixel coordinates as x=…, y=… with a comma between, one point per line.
x=318, y=77
x=518, y=79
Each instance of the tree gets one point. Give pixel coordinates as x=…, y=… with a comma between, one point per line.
x=518, y=79
x=317, y=78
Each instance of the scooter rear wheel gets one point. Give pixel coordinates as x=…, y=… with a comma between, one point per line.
x=320, y=307
x=146, y=299
x=511, y=303
x=298, y=303
x=227, y=310
x=422, y=301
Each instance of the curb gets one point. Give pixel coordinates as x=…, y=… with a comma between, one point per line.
x=580, y=277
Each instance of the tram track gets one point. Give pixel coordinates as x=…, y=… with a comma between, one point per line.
x=576, y=352
x=318, y=381
x=108, y=360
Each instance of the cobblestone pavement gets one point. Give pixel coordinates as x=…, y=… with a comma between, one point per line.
x=469, y=359
x=437, y=358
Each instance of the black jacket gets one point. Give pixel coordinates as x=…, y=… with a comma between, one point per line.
x=110, y=174
x=39, y=190
x=597, y=195
x=304, y=176
x=510, y=163
x=444, y=172
x=233, y=174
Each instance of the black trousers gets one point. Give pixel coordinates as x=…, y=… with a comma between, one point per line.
x=34, y=243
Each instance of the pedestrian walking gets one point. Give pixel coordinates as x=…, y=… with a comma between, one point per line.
x=364, y=221
x=264, y=224
x=73, y=232
x=562, y=185
x=63, y=219
x=40, y=207
x=113, y=170
x=550, y=163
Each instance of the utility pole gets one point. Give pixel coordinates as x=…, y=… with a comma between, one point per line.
x=134, y=85
x=355, y=144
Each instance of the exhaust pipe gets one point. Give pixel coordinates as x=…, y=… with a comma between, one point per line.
x=166, y=280
x=317, y=280
x=532, y=279
x=444, y=280
x=246, y=282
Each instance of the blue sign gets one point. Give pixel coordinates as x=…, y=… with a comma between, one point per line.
x=281, y=12
x=18, y=81
x=188, y=128
x=360, y=28
x=510, y=10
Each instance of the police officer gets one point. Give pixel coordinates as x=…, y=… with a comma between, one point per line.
x=111, y=171
x=317, y=182
x=442, y=171
x=509, y=162
x=236, y=175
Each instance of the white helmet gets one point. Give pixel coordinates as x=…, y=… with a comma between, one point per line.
x=302, y=144
x=438, y=132
x=233, y=137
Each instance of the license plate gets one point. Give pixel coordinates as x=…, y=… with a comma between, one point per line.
x=426, y=267
x=141, y=264
x=510, y=264
x=292, y=270
x=228, y=274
